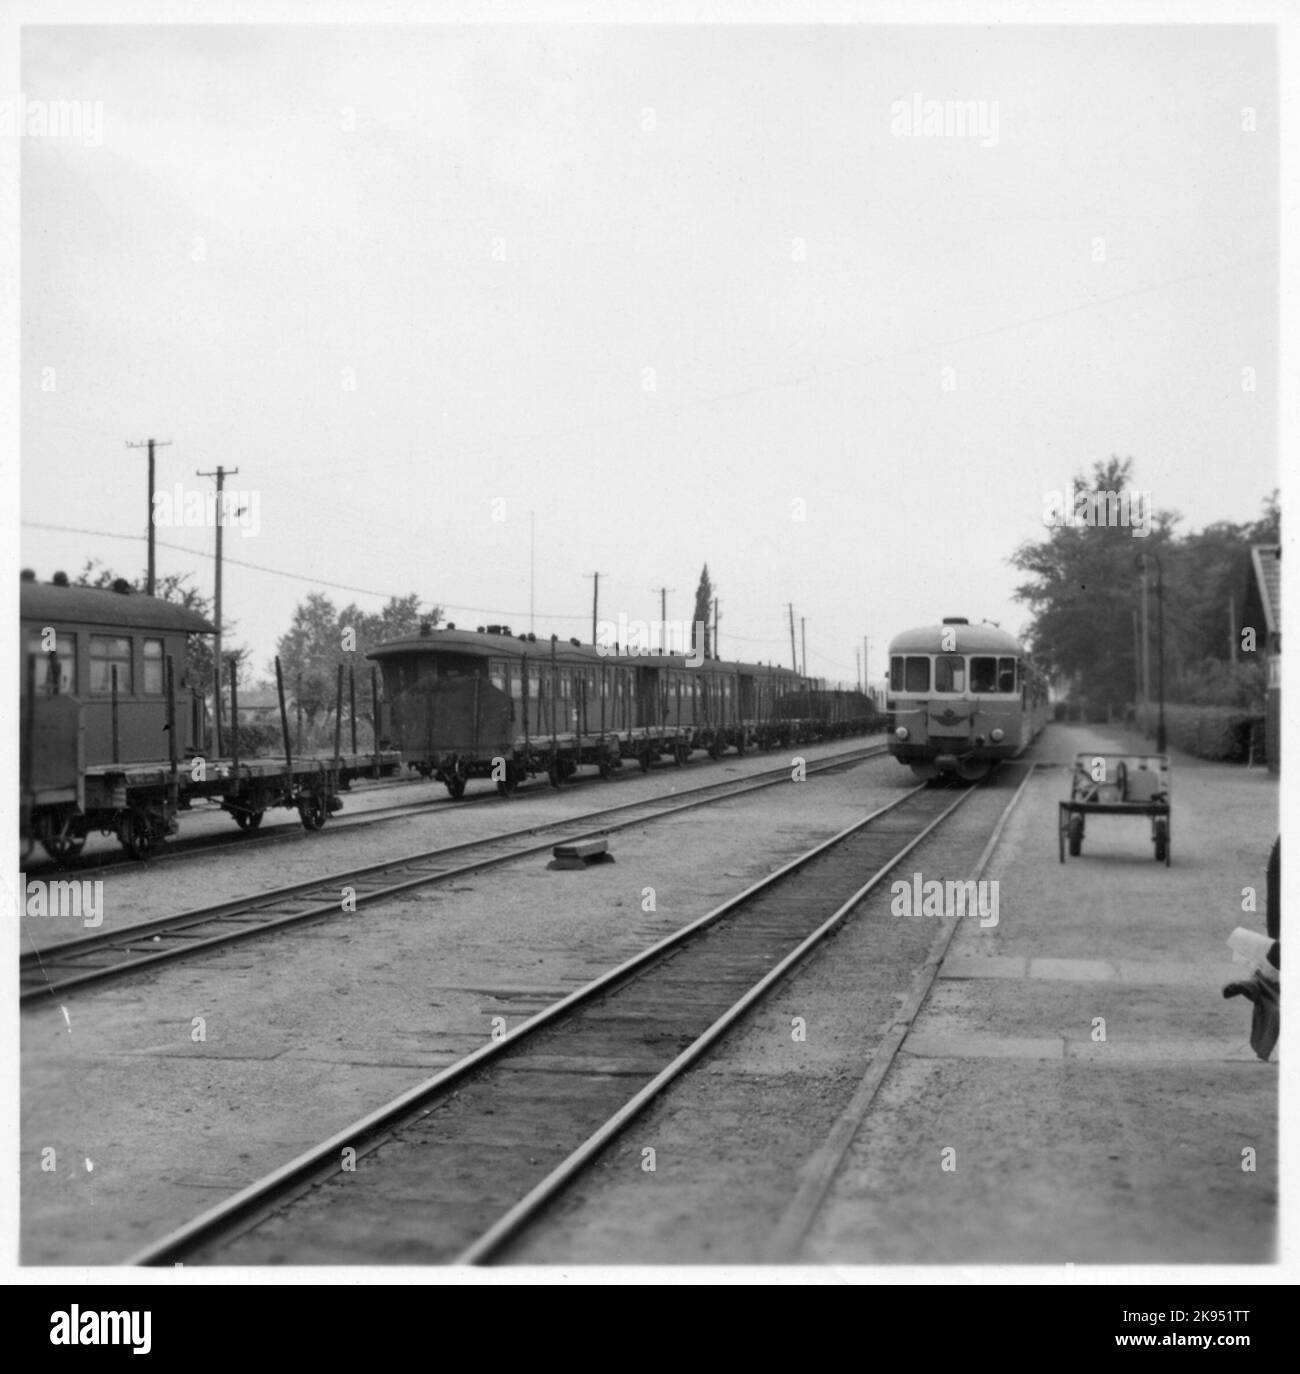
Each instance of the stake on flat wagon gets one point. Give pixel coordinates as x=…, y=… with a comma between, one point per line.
x=173, y=748
x=352, y=704
x=374, y=712
x=113, y=679
x=338, y=718
x=284, y=719
x=234, y=718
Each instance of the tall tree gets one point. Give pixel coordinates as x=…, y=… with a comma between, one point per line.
x=703, y=613
x=1083, y=588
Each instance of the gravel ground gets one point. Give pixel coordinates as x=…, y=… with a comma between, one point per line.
x=154, y=1116
x=1067, y=1148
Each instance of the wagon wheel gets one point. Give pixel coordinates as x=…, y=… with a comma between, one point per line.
x=1160, y=833
x=61, y=848
x=135, y=836
x=740, y=743
x=249, y=820
x=716, y=747
x=456, y=786
x=311, y=810
x=1076, y=835
x=643, y=758
x=681, y=754
x=506, y=786
x=604, y=766
x=555, y=774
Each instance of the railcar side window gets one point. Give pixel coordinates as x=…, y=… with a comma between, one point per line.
x=949, y=673
x=984, y=675
x=153, y=668
x=106, y=653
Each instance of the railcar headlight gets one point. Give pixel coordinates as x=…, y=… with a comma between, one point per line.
x=901, y=732
x=997, y=736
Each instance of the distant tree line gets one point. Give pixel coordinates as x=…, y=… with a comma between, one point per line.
x=1083, y=586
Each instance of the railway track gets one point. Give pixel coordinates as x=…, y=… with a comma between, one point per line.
x=452, y=1169
x=59, y=968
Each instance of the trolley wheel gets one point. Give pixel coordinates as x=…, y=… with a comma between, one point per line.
x=1075, y=835
x=456, y=786
x=312, y=813
x=249, y=820
x=1160, y=830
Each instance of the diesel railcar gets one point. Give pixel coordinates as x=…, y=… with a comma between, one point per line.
x=493, y=705
x=962, y=698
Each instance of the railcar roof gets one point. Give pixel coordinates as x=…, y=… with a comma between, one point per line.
x=50, y=603
x=971, y=639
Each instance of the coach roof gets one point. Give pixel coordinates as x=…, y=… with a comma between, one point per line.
x=51, y=603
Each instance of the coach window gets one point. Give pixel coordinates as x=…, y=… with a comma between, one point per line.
x=65, y=647
x=949, y=673
x=984, y=675
x=1006, y=675
x=106, y=653
x=153, y=668
x=498, y=673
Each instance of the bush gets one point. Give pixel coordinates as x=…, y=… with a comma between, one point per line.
x=1220, y=733
x=256, y=739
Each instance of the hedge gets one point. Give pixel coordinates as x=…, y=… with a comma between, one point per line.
x=1209, y=732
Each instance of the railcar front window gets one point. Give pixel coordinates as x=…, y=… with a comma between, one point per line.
x=984, y=675
x=911, y=674
x=1006, y=675
x=106, y=653
x=950, y=673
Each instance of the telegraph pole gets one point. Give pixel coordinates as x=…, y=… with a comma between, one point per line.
x=595, y=601
x=794, y=657
x=857, y=653
x=151, y=444
x=717, y=653
x=221, y=474
x=803, y=640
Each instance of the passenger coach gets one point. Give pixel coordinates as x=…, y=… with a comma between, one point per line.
x=962, y=698
x=490, y=704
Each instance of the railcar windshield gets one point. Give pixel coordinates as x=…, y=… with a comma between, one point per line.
x=950, y=673
x=909, y=674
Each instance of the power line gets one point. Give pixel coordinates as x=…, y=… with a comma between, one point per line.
x=280, y=572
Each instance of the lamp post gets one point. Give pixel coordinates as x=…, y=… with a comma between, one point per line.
x=1161, y=739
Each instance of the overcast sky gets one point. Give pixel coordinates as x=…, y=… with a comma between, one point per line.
x=657, y=286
